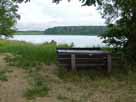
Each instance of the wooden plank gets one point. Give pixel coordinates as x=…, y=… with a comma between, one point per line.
x=73, y=62
x=82, y=58
x=89, y=65
x=91, y=58
x=64, y=58
x=84, y=65
x=78, y=48
x=109, y=63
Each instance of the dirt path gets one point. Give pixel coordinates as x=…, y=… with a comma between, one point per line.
x=12, y=90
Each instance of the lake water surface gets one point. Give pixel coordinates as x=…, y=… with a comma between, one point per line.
x=78, y=40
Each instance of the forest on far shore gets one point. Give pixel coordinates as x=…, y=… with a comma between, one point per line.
x=76, y=30
x=67, y=30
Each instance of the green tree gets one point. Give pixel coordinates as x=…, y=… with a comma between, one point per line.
x=121, y=20
x=20, y=1
x=8, y=17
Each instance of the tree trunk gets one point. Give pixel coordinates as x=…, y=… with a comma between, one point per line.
x=131, y=47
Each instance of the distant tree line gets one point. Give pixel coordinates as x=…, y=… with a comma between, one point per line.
x=76, y=30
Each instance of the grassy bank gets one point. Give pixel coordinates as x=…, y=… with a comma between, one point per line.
x=30, y=57
x=27, y=54
x=48, y=81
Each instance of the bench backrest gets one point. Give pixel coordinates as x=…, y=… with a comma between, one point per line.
x=82, y=60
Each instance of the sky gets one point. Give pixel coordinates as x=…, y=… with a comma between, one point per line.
x=43, y=14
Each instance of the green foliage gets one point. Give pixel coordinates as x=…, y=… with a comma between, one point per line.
x=3, y=76
x=114, y=36
x=28, y=55
x=39, y=86
x=85, y=2
x=8, y=16
x=76, y=30
x=120, y=16
x=20, y=1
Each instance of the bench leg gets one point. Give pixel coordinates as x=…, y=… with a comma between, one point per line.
x=109, y=63
x=73, y=62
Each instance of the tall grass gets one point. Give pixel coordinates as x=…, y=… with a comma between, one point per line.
x=27, y=54
x=30, y=57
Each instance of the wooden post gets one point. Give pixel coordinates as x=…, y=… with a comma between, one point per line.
x=109, y=63
x=73, y=62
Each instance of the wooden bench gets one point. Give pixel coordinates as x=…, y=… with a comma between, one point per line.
x=84, y=57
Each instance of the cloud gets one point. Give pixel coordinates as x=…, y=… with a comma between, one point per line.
x=41, y=14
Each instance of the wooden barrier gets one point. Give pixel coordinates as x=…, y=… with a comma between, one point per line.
x=84, y=57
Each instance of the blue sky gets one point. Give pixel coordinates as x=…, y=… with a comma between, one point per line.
x=42, y=14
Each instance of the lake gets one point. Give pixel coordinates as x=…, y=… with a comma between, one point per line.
x=78, y=40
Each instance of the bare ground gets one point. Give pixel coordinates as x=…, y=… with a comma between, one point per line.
x=63, y=91
x=12, y=90
x=86, y=90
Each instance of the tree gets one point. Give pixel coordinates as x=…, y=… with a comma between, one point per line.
x=8, y=17
x=121, y=20
x=20, y=1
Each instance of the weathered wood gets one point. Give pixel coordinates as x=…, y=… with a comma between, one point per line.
x=98, y=48
x=84, y=58
x=63, y=58
x=109, y=64
x=90, y=65
x=73, y=62
x=85, y=65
